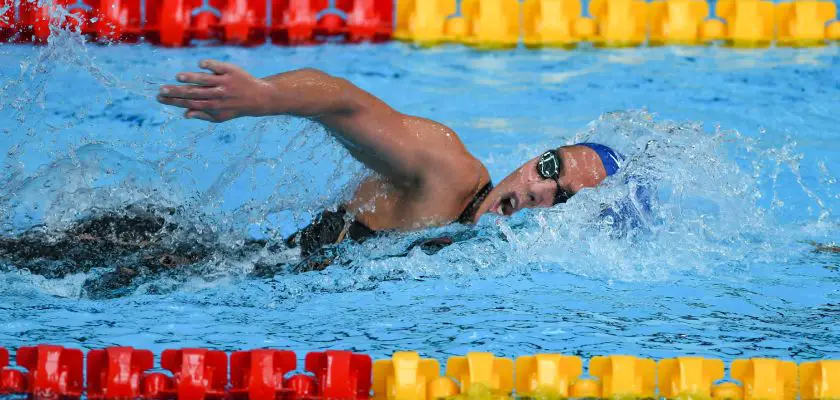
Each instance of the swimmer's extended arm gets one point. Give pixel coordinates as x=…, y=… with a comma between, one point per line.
x=228, y=92
x=408, y=150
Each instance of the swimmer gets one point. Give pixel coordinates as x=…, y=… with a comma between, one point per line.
x=425, y=177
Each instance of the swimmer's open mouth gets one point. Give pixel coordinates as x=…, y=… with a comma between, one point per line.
x=507, y=205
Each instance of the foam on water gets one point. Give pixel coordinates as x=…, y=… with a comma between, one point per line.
x=730, y=205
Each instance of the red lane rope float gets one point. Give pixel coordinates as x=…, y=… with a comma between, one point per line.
x=8, y=25
x=123, y=372
x=293, y=22
x=369, y=21
x=27, y=21
x=243, y=23
x=341, y=374
x=52, y=371
x=11, y=381
x=177, y=23
x=303, y=22
x=116, y=372
x=118, y=21
x=197, y=374
x=259, y=374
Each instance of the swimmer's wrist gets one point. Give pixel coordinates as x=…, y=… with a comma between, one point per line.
x=266, y=100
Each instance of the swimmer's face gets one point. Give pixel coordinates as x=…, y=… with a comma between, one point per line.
x=526, y=188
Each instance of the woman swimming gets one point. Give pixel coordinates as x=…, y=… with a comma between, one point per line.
x=425, y=178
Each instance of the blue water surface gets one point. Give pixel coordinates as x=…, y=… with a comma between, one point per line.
x=741, y=146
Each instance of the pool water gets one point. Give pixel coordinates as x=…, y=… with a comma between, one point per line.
x=740, y=147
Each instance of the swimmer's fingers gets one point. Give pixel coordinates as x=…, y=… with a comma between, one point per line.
x=200, y=78
x=191, y=92
x=218, y=67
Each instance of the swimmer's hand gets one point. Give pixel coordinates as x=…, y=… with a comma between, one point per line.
x=225, y=93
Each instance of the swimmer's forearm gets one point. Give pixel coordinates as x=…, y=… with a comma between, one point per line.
x=308, y=93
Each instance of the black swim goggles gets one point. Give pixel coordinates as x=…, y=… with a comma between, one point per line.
x=549, y=167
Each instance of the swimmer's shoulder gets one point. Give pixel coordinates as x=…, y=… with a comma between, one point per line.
x=452, y=176
x=466, y=183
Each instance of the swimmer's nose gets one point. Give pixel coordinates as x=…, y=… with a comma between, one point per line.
x=531, y=200
x=539, y=200
x=540, y=195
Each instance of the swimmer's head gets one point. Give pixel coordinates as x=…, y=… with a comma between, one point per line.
x=551, y=178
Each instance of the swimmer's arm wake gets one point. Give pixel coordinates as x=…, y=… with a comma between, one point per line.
x=408, y=150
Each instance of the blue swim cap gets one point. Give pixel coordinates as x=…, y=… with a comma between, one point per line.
x=609, y=158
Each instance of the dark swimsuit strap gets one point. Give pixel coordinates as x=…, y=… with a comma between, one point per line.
x=468, y=215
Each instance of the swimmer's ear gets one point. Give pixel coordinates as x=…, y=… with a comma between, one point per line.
x=218, y=67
